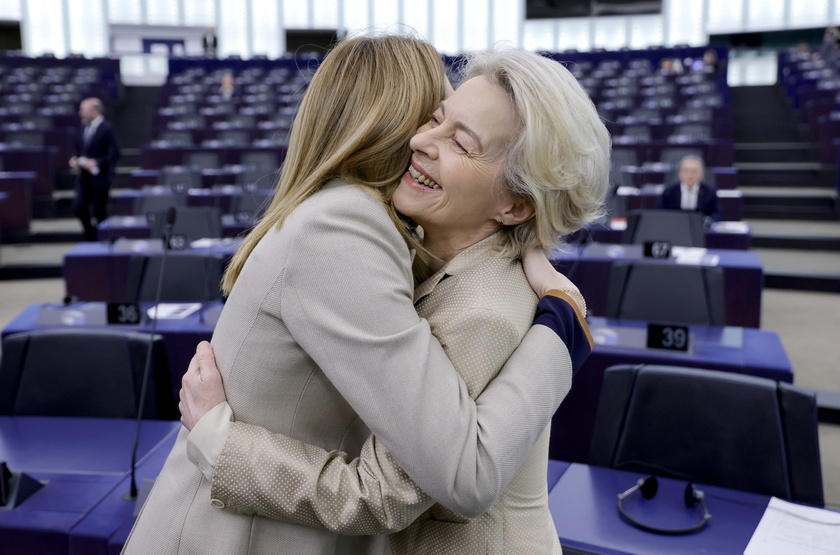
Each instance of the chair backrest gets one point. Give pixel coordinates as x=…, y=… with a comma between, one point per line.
x=673, y=155
x=177, y=137
x=153, y=203
x=250, y=206
x=234, y=137
x=262, y=161
x=186, y=278
x=710, y=427
x=681, y=227
x=180, y=178
x=83, y=372
x=198, y=161
x=660, y=291
x=193, y=223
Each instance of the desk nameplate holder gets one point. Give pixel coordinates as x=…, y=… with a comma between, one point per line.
x=137, y=246
x=634, y=335
x=83, y=314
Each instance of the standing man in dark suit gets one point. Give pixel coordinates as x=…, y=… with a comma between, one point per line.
x=691, y=193
x=97, y=152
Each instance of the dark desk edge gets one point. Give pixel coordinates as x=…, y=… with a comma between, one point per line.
x=828, y=405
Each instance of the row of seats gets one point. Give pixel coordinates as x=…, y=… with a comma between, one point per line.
x=813, y=87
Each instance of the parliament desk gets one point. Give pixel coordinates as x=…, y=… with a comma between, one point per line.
x=589, y=267
x=214, y=177
x=16, y=209
x=721, y=235
x=730, y=349
x=583, y=505
x=98, y=271
x=41, y=161
x=222, y=197
x=639, y=176
x=730, y=201
x=137, y=227
x=152, y=158
x=85, y=463
x=180, y=335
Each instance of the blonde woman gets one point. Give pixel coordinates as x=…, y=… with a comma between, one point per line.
x=320, y=341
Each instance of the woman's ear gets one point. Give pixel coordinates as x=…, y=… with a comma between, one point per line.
x=519, y=211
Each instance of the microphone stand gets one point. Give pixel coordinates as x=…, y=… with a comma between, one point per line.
x=170, y=221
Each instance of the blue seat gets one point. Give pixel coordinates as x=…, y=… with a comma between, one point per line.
x=186, y=278
x=83, y=372
x=679, y=227
x=661, y=291
x=710, y=427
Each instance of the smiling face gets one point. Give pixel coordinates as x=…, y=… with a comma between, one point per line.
x=454, y=188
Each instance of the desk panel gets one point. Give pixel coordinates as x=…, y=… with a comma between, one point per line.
x=721, y=235
x=583, y=506
x=729, y=349
x=87, y=461
x=180, y=336
x=137, y=227
x=99, y=271
x=58, y=445
x=16, y=209
x=107, y=525
x=589, y=267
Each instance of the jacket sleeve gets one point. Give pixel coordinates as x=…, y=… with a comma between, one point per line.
x=111, y=148
x=347, y=300
x=370, y=494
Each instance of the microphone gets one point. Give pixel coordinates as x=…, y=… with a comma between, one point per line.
x=171, y=213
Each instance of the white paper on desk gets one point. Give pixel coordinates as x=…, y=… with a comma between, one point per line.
x=782, y=533
x=172, y=311
x=688, y=255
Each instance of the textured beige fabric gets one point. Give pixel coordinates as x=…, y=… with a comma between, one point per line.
x=478, y=306
x=320, y=335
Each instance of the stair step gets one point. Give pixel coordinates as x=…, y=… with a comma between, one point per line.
x=804, y=213
x=30, y=271
x=781, y=166
x=788, y=280
x=798, y=243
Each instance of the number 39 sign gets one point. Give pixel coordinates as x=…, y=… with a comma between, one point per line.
x=671, y=337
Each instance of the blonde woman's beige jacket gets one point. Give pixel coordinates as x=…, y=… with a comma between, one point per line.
x=320, y=342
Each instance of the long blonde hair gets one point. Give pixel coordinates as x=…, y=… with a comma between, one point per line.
x=363, y=105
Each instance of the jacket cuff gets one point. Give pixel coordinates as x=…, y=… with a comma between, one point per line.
x=560, y=313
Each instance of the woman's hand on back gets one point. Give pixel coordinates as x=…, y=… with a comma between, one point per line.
x=541, y=273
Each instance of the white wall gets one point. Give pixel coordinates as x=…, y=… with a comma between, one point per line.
x=248, y=27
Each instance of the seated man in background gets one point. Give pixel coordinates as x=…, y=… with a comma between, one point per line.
x=691, y=193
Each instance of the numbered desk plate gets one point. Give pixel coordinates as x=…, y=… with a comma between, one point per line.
x=125, y=314
x=671, y=337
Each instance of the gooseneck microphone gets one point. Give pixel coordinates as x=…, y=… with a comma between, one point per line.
x=171, y=212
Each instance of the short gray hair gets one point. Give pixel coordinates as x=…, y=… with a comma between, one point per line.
x=560, y=158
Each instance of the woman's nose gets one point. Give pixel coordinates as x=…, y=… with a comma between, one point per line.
x=425, y=141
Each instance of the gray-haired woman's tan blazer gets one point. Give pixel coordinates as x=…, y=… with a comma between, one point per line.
x=320, y=337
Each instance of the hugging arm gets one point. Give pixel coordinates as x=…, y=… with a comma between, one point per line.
x=370, y=494
x=392, y=371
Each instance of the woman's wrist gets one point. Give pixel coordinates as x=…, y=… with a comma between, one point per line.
x=571, y=295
